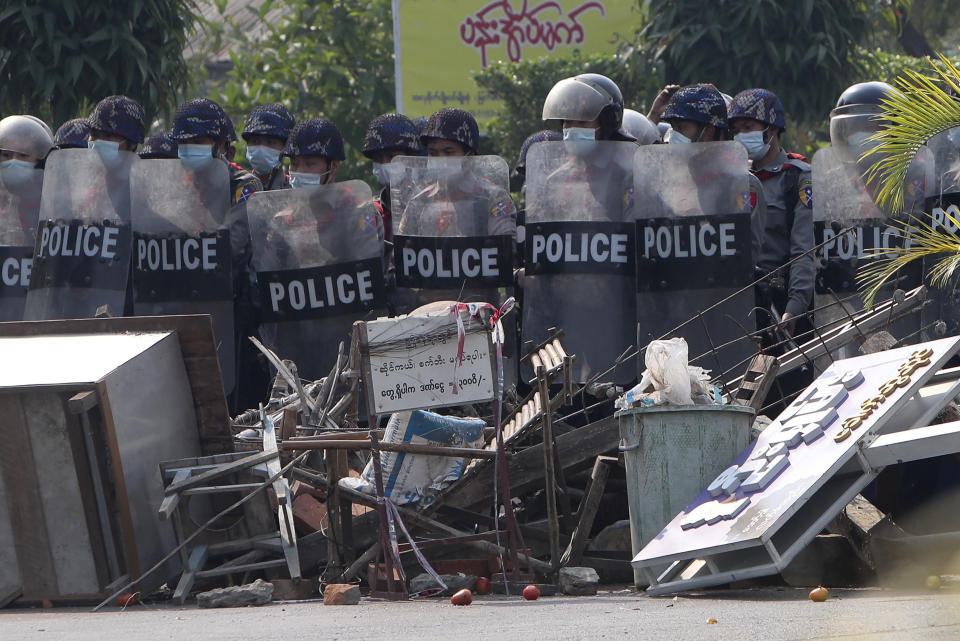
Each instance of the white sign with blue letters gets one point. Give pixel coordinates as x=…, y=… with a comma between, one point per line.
x=783, y=489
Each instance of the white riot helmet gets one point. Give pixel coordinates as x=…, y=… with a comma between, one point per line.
x=588, y=96
x=26, y=135
x=640, y=127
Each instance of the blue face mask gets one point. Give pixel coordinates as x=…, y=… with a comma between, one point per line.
x=300, y=179
x=15, y=172
x=109, y=152
x=753, y=143
x=195, y=157
x=579, y=133
x=262, y=158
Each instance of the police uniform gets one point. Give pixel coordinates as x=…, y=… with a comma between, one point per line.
x=788, y=189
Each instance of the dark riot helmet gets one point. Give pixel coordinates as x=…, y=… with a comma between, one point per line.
x=857, y=115
x=392, y=132
x=453, y=124
x=589, y=96
x=315, y=137
x=73, y=134
x=540, y=136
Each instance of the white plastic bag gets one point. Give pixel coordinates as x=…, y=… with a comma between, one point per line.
x=666, y=363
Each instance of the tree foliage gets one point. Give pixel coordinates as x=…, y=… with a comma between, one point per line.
x=524, y=85
x=803, y=50
x=58, y=57
x=321, y=58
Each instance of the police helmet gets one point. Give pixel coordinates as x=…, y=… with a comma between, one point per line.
x=453, y=124
x=758, y=104
x=159, y=145
x=698, y=103
x=72, y=134
x=201, y=118
x=315, y=137
x=119, y=116
x=589, y=96
x=269, y=120
x=25, y=135
x=856, y=112
x=541, y=136
x=392, y=132
x=640, y=127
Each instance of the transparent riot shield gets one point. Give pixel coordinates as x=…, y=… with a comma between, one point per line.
x=941, y=316
x=187, y=246
x=19, y=211
x=454, y=237
x=318, y=254
x=82, y=255
x=694, y=254
x=853, y=231
x=579, y=255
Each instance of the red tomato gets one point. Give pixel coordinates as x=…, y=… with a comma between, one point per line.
x=531, y=593
x=819, y=594
x=126, y=599
x=462, y=597
x=483, y=585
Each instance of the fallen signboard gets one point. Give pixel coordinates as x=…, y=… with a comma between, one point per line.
x=806, y=466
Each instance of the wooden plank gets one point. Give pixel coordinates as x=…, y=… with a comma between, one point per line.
x=588, y=511
x=25, y=509
x=227, y=468
x=549, y=473
x=576, y=448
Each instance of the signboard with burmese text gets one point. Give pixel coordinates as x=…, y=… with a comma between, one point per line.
x=800, y=472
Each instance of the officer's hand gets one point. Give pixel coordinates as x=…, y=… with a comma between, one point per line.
x=789, y=322
x=660, y=102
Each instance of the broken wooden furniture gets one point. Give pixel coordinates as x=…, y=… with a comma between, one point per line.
x=90, y=407
x=190, y=487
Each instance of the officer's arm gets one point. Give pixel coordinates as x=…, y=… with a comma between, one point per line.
x=758, y=217
x=802, y=272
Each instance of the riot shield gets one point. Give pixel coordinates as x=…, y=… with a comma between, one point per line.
x=318, y=254
x=842, y=201
x=579, y=252
x=943, y=213
x=19, y=212
x=694, y=254
x=454, y=237
x=82, y=255
x=187, y=244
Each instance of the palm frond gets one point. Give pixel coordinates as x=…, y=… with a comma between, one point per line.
x=921, y=239
x=921, y=110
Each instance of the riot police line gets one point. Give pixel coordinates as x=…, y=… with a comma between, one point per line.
x=618, y=243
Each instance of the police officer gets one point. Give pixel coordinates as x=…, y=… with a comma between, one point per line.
x=24, y=143
x=757, y=120
x=452, y=133
x=202, y=132
x=116, y=124
x=159, y=145
x=73, y=134
x=265, y=132
x=388, y=136
x=698, y=113
x=640, y=127
x=315, y=149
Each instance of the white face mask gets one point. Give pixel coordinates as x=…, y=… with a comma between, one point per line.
x=381, y=174
x=299, y=179
x=262, y=158
x=754, y=144
x=109, y=152
x=579, y=133
x=674, y=137
x=195, y=157
x=15, y=172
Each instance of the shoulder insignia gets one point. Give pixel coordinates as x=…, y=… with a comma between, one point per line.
x=805, y=189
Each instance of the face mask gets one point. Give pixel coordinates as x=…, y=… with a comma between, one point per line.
x=753, y=142
x=195, y=157
x=579, y=133
x=674, y=137
x=109, y=152
x=381, y=174
x=16, y=172
x=262, y=158
x=299, y=180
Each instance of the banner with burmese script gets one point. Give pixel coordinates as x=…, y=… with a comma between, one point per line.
x=440, y=44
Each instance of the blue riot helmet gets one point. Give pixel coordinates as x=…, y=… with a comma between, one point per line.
x=73, y=134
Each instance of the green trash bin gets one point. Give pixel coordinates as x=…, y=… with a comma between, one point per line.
x=671, y=454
